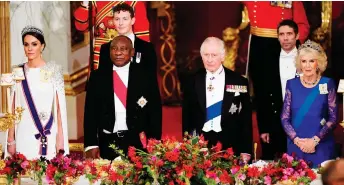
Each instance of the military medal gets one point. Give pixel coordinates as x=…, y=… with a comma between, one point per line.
x=210, y=87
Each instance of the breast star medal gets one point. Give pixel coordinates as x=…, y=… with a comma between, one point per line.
x=142, y=102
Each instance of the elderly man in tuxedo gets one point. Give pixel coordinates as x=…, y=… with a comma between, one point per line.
x=121, y=102
x=217, y=103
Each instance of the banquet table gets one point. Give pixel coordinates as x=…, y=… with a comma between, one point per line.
x=83, y=181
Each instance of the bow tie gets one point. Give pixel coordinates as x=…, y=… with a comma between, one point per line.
x=121, y=69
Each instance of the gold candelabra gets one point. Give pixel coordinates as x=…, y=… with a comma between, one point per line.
x=8, y=80
x=9, y=119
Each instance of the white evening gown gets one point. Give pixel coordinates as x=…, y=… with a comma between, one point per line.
x=43, y=91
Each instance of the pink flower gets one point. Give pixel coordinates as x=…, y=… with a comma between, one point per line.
x=235, y=169
x=176, y=150
x=153, y=158
x=288, y=158
x=303, y=164
x=25, y=164
x=242, y=177
x=211, y=174
x=288, y=171
x=285, y=177
x=267, y=180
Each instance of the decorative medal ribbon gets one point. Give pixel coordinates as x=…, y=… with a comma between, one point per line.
x=43, y=131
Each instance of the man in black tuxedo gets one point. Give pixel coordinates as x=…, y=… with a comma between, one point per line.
x=121, y=102
x=217, y=103
x=144, y=55
x=272, y=91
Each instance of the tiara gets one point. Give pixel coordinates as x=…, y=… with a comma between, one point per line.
x=313, y=45
x=33, y=29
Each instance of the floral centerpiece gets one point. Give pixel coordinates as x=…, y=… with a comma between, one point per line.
x=169, y=161
x=15, y=166
x=90, y=171
x=103, y=168
x=285, y=171
x=64, y=170
x=296, y=171
x=38, y=169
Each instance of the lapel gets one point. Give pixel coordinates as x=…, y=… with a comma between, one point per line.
x=107, y=78
x=133, y=84
x=227, y=96
x=200, y=89
x=278, y=65
x=138, y=47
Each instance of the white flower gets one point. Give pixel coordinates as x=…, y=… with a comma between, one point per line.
x=259, y=164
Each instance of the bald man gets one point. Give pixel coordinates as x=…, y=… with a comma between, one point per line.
x=121, y=102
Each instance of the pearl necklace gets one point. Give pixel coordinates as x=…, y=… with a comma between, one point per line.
x=310, y=83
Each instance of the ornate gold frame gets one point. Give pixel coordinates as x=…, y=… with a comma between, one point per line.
x=83, y=43
x=76, y=78
x=5, y=46
x=326, y=18
x=168, y=49
x=76, y=147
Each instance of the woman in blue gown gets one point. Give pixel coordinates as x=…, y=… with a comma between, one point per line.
x=310, y=108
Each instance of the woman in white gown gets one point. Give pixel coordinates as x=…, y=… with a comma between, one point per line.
x=42, y=131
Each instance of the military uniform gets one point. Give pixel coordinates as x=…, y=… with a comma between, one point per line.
x=263, y=65
x=104, y=25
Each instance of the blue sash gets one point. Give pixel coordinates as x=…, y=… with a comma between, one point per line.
x=307, y=104
x=43, y=131
x=214, y=110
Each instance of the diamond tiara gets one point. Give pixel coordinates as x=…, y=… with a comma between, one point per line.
x=313, y=45
x=33, y=29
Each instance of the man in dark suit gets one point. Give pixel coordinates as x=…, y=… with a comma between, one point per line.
x=272, y=92
x=144, y=55
x=217, y=103
x=121, y=102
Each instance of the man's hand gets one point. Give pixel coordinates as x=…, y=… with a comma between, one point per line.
x=93, y=153
x=265, y=137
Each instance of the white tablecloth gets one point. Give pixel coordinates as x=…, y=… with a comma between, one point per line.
x=84, y=181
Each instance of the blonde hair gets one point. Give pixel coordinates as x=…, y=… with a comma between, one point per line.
x=320, y=56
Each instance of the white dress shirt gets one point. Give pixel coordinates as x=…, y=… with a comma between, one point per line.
x=131, y=37
x=287, y=67
x=217, y=80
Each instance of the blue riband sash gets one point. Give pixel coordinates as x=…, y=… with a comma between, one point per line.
x=214, y=110
x=307, y=104
x=43, y=131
